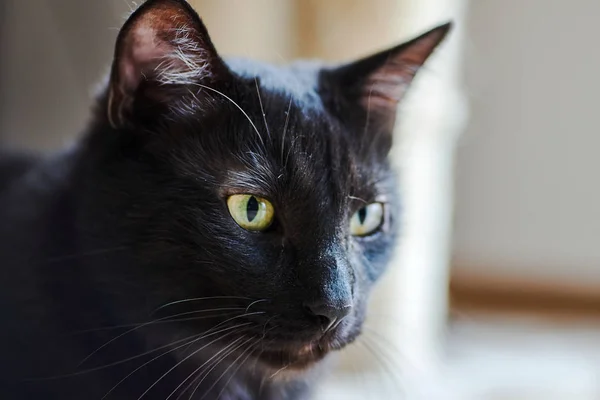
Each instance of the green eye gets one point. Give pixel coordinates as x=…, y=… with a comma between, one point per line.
x=367, y=220
x=251, y=212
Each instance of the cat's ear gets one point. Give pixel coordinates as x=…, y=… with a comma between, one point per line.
x=378, y=83
x=162, y=49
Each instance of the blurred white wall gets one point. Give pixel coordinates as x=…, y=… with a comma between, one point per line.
x=528, y=195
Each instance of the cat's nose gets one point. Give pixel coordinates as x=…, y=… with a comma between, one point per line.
x=329, y=315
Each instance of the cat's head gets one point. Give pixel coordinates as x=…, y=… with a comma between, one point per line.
x=266, y=188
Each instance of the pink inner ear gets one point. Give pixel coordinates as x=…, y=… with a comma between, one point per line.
x=385, y=88
x=167, y=54
x=142, y=51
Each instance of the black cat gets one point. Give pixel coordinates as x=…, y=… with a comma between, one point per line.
x=216, y=232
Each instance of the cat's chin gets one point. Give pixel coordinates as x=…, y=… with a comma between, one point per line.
x=293, y=360
x=296, y=357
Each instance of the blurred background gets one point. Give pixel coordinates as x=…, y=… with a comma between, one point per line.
x=495, y=291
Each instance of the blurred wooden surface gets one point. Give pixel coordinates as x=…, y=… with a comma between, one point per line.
x=541, y=298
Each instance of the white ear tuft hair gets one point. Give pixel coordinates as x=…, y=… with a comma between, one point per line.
x=186, y=63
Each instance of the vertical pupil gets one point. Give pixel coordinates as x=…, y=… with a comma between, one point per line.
x=252, y=208
x=362, y=214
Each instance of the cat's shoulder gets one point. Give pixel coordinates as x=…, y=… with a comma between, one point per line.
x=13, y=166
x=28, y=179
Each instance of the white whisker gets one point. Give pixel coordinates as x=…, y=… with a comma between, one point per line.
x=387, y=365
x=358, y=198
x=146, y=324
x=214, y=366
x=227, y=350
x=187, y=343
x=182, y=361
x=279, y=370
x=238, y=106
x=154, y=322
x=200, y=299
x=262, y=110
x=251, y=348
x=255, y=302
x=285, y=127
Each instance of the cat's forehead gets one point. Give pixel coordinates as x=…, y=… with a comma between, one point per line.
x=293, y=140
x=297, y=81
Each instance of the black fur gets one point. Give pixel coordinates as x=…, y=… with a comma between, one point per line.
x=96, y=238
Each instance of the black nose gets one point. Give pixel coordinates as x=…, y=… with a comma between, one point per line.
x=329, y=315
